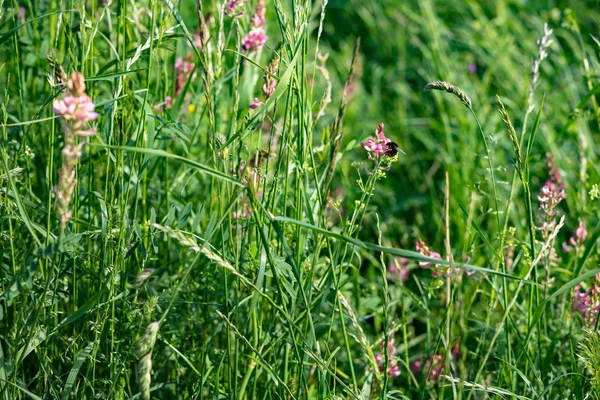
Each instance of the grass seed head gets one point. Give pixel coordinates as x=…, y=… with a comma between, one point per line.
x=450, y=88
x=147, y=340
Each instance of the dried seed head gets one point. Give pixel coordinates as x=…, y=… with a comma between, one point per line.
x=56, y=74
x=147, y=340
x=450, y=88
x=143, y=276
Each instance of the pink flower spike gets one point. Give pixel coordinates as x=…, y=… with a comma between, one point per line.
x=258, y=19
x=257, y=103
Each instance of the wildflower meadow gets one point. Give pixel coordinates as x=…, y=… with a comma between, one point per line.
x=299, y=199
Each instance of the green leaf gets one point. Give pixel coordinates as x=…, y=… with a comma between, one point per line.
x=411, y=255
x=137, y=229
x=170, y=216
x=83, y=355
x=480, y=233
x=161, y=153
x=184, y=215
x=279, y=90
x=197, y=219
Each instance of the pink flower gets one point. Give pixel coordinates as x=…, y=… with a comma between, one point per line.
x=199, y=38
x=433, y=367
x=580, y=233
x=76, y=112
x=416, y=366
x=258, y=19
x=456, y=350
x=578, y=237
x=255, y=39
x=235, y=8
x=423, y=249
x=393, y=369
x=183, y=70
x=168, y=102
x=395, y=273
x=588, y=303
x=377, y=145
x=257, y=103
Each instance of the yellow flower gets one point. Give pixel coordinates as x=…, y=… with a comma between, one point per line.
x=191, y=108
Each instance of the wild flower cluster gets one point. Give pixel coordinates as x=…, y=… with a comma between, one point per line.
x=422, y=248
x=379, y=145
x=256, y=38
x=75, y=110
x=432, y=370
x=587, y=303
x=551, y=194
x=393, y=369
x=398, y=269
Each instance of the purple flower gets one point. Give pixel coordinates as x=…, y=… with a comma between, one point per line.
x=472, y=68
x=377, y=145
x=255, y=39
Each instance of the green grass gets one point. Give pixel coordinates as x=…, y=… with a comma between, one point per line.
x=260, y=239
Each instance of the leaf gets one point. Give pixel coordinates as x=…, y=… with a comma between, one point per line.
x=103, y=212
x=11, y=32
x=211, y=227
x=534, y=131
x=161, y=153
x=411, y=255
x=27, y=392
x=480, y=233
x=83, y=355
x=38, y=337
x=184, y=215
x=2, y=371
x=88, y=305
x=197, y=219
x=279, y=90
x=137, y=229
x=170, y=216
